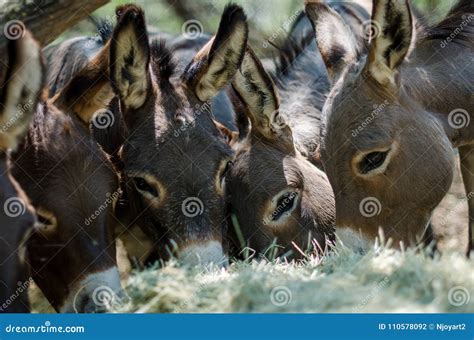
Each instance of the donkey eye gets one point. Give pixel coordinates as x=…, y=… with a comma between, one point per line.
x=226, y=169
x=281, y=206
x=46, y=220
x=142, y=185
x=372, y=161
x=285, y=203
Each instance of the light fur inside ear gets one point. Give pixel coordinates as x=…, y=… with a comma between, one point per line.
x=89, y=90
x=24, y=81
x=216, y=63
x=392, y=39
x=336, y=42
x=130, y=56
x=256, y=90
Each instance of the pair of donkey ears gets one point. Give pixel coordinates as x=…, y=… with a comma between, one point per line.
x=209, y=71
x=389, y=30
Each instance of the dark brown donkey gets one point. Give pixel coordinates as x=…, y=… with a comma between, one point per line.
x=277, y=194
x=393, y=119
x=73, y=187
x=175, y=156
x=20, y=88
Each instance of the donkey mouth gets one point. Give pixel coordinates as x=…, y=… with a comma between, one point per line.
x=203, y=254
x=98, y=293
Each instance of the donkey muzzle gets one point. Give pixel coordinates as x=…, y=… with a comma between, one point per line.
x=98, y=292
x=203, y=253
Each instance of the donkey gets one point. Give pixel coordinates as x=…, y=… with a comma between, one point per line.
x=175, y=156
x=291, y=199
x=394, y=117
x=73, y=186
x=20, y=89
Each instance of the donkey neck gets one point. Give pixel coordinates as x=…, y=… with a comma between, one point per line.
x=441, y=83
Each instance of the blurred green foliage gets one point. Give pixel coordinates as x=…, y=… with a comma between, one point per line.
x=266, y=17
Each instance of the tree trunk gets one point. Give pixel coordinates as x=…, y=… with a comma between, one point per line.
x=46, y=19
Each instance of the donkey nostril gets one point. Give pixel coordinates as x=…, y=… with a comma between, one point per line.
x=204, y=253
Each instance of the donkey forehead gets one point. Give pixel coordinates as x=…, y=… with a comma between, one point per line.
x=179, y=147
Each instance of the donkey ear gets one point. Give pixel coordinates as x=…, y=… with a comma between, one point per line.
x=20, y=90
x=89, y=90
x=392, y=38
x=336, y=42
x=216, y=63
x=257, y=92
x=130, y=57
x=229, y=135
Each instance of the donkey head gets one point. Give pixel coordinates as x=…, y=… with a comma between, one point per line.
x=290, y=199
x=387, y=159
x=175, y=156
x=23, y=80
x=73, y=187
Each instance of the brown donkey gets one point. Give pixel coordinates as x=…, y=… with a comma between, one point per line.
x=393, y=118
x=291, y=199
x=175, y=156
x=73, y=187
x=20, y=89
x=275, y=192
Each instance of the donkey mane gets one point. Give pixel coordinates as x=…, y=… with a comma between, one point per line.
x=163, y=61
x=288, y=53
x=460, y=20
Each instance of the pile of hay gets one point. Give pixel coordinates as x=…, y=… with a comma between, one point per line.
x=383, y=280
